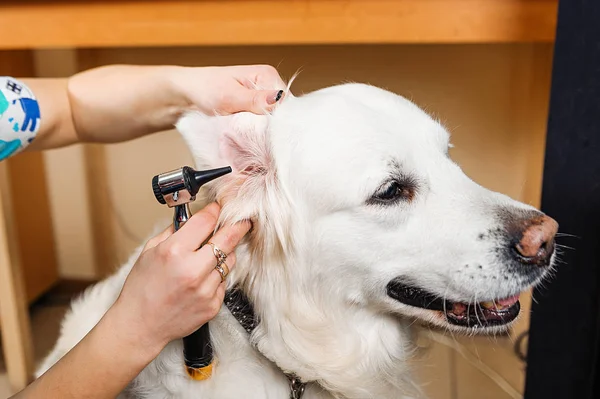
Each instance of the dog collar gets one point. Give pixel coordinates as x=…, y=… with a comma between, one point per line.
x=242, y=310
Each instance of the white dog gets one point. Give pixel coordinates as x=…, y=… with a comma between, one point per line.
x=362, y=224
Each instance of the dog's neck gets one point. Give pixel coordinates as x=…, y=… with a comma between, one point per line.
x=351, y=351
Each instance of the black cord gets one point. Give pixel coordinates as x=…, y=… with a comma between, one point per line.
x=518, y=348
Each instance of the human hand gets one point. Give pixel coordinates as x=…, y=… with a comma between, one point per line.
x=173, y=288
x=117, y=103
x=229, y=89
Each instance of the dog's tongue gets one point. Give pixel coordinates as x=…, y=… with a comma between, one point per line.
x=508, y=301
x=500, y=304
x=497, y=305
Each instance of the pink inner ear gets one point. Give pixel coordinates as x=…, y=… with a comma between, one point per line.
x=235, y=154
x=246, y=154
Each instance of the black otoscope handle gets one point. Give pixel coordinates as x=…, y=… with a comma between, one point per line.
x=197, y=348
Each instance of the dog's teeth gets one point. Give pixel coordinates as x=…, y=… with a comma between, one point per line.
x=459, y=308
x=489, y=305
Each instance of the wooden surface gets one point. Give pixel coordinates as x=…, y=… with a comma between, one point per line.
x=30, y=201
x=34, y=230
x=28, y=264
x=98, y=191
x=14, y=318
x=105, y=252
x=44, y=24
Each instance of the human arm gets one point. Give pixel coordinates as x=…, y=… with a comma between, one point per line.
x=117, y=103
x=171, y=291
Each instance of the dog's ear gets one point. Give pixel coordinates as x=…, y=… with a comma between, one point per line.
x=251, y=191
x=240, y=141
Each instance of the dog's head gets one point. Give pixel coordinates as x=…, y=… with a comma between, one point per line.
x=353, y=185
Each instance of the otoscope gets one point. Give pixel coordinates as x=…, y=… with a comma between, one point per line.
x=177, y=189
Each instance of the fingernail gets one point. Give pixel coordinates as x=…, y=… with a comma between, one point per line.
x=273, y=98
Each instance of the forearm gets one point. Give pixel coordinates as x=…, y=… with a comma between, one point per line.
x=105, y=105
x=117, y=103
x=100, y=366
x=122, y=102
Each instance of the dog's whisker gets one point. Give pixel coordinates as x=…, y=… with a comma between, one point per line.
x=444, y=301
x=564, y=246
x=567, y=235
x=477, y=305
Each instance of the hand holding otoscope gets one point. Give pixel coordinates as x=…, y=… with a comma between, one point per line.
x=175, y=287
x=177, y=189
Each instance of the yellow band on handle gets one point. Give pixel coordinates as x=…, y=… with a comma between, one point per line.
x=200, y=374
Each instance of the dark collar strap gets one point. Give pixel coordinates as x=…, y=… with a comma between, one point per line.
x=240, y=307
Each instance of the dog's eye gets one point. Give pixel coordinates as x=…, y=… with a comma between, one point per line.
x=394, y=191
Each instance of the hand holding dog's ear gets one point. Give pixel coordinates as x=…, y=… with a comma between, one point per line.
x=84, y=107
x=230, y=89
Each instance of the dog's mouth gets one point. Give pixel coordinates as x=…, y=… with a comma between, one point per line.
x=489, y=313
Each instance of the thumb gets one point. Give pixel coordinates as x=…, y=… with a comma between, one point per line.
x=257, y=101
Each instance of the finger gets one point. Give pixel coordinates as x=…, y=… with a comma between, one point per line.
x=197, y=229
x=220, y=294
x=267, y=77
x=213, y=280
x=226, y=239
x=157, y=239
x=259, y=77
x=256, y=101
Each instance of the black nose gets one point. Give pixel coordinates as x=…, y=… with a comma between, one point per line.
x=533, y=239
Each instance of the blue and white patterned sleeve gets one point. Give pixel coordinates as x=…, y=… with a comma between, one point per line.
x=19, y=116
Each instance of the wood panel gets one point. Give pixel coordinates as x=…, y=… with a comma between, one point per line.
x=14, y=318
x=43, y=24
x=34, y=226
x=98, y=190
x=27, y=258
x=30, y=200
x=530, y=73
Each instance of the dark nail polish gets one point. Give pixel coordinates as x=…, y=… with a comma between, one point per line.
x=272, y=99
x=279, y=95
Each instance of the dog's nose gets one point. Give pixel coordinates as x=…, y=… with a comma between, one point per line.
x=536, y=244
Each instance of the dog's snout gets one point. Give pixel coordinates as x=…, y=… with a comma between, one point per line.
x=534, y=242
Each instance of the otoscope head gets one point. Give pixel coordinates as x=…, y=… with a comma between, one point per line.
x=180, y=186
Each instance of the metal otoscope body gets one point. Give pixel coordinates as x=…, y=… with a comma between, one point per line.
x=177, y=189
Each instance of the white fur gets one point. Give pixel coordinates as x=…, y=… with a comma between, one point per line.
x=319, y=257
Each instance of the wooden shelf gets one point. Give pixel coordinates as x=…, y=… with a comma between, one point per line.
x=30, y=24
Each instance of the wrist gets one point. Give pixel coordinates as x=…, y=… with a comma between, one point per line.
x=133, y=336
x=179, y=79
x=172, y=94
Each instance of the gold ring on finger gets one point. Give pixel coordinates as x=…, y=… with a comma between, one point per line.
x=220, y=255
x=223, y=270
